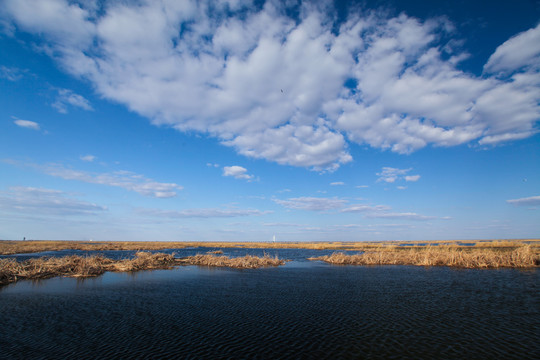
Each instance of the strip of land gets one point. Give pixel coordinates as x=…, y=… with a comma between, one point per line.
x=8, y=247
x=79, y=266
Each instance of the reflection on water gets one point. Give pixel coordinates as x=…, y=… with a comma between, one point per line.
x=303, y=310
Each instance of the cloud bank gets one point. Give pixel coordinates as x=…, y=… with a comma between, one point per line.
x=528, y=201
x=120, y=178
x=295, y=90
x=45, y=201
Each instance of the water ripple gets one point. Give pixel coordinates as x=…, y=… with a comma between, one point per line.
x=312, y=312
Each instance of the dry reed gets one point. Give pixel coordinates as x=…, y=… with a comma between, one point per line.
x=78, y=266
x=521, y=257
x=215, y=252
x=17, y=247
x=243, y=262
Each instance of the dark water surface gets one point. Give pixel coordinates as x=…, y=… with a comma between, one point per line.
x=303, y=310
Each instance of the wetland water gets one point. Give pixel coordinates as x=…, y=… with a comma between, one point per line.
x=302, y=310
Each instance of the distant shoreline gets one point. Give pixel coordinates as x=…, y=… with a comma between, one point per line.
x=9, y=247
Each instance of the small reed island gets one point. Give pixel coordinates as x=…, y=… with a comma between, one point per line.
x=524, y=256
x=80, y=266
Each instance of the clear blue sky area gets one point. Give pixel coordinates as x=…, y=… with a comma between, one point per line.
x=240, y=120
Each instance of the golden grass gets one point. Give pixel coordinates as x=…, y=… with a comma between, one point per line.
x=523, y=256
x=78, y=266
x=17, y=247
x=243, y=262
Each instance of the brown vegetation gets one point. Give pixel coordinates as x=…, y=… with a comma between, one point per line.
x=244, y=262
x=78, y=266
x=215, y=252
x=521, y=257
x=18, y=247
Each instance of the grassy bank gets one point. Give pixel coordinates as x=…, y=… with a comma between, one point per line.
x=19, y=247
x=78, y=266
x=524, y=256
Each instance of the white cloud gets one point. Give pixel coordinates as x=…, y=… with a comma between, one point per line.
x=391, y=175
x=272, y=87
x=337, y=183
x=311, y=203
x=365, y=208
x=238, y=172
x=67, y=98
x=528, y=201
x=200, y=213
x=88, y=158
x=27, y=124
x=124, y=179
x=45, y=201
x=521, y=50
x=11, y=74
x=412, y=178
x=283, y=225
x=405, y=216
x=362, y=186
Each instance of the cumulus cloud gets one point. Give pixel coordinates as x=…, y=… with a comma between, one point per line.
x=45, y=201
x=27, y=124
x=528, y=201
x=238, y=172
x=66, y=98
x=520, y=51
x=293, y=90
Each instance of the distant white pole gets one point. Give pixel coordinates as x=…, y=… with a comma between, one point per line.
x=274, y=239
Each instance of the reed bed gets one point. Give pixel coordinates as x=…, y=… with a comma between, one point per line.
x=522, y=257
x=18, y=247
x=243, y=262
x=78, y=266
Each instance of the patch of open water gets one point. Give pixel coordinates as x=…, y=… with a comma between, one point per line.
x=302, y=310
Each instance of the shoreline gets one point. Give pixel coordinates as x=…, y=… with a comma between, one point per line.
x=10, y=247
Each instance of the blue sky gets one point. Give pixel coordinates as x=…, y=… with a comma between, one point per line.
x=238, y=120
